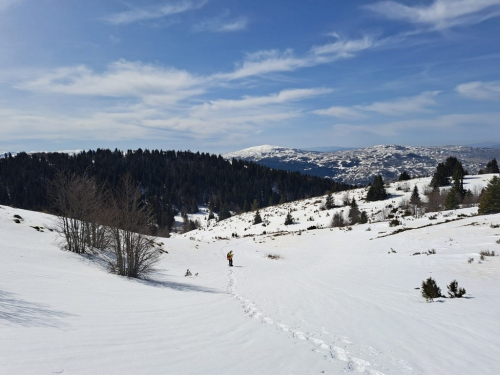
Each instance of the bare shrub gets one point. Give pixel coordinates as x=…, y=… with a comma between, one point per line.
x=78, y=202
x=134, y=250
x=487, y=253
x=337, y=220
x=274, y=256
x=383, y=214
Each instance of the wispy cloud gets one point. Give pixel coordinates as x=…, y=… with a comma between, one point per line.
x=480, y=90
x=284, y=96
x=121, y=79
x=459, y=122
x=271, y=61
x=441, y=14
x=222, y=24
x=144, y=14
x=398, y=107
x=4, y=4
x=150, y=101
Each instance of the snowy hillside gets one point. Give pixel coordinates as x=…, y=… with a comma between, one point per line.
x=335, y=300
x=359, y=166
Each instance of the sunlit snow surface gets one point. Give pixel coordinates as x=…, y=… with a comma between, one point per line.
x=337, y=301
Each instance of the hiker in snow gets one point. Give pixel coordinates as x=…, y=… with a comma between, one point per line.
x=230, y=258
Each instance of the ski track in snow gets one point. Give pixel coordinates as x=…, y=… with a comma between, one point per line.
x=339, y=349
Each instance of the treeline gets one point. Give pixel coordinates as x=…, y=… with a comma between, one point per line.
x=170, y=181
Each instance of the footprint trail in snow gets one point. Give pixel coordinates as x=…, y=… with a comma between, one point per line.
x=336, y=348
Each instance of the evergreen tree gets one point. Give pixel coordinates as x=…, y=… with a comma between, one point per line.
x=363, y=218
x=449, y=165
x=376, y=192
x=415, y=196
x=257, y=219
x=458, y=178
x=289, y=219
x=329, y=204
x=430, y=290
x=246, y=208
x=404, y=176
x=454, y=291
x=224, y=212
x=492, y=167
x=271, y=201
x=440, y=178
x=255, y=205
x=354, y=212
x=490, y=199
x=453, y=199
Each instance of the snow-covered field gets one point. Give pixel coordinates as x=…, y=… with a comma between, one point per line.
x=337, y=300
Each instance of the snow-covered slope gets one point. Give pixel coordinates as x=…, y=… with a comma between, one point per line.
x=359, y=166
x=337, y=300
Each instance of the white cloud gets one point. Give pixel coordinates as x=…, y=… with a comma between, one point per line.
x=121, y=79
x=282, y=97
x=340, y=112
x=222, y=24
x=4, y=4
x=460, y=123
x=142, y=14
x=441, y=14
x=416, y=104
x=271, y=61
x=151, y=101
x=398, y=107
x=480, y=90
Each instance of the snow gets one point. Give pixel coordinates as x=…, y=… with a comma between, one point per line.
x=337, y=300
x=360, y=166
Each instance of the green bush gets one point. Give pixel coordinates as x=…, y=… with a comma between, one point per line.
x=454, y=291
x=430, y=290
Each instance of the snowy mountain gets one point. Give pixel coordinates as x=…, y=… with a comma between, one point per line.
x=331, y=301
x=359, y=166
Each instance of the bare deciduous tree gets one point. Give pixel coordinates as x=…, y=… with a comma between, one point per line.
x=134, y=251
x=78, y=202
x=116, y=227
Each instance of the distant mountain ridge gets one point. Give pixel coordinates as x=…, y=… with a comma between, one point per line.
x=359, y=166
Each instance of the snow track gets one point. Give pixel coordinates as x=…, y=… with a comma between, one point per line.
x=335, y=348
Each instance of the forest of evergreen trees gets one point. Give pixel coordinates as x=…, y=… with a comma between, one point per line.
x=170, y=181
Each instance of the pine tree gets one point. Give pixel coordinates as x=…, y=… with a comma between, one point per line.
x=257, y=219
x=224, y=212
x=430, y=290
x=440, y=178
x=454, y=291
x=404, y=176
x=492, y=167
x=329, y=202
x=490, y=199
x=458, y=178
x=363, y=218
x=354, y=212
x=453, y=199
x=255, y=205
x=376, y=192
x=415, y=196
x=289, y=219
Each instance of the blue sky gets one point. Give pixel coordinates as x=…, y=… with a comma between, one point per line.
x=220, y=75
